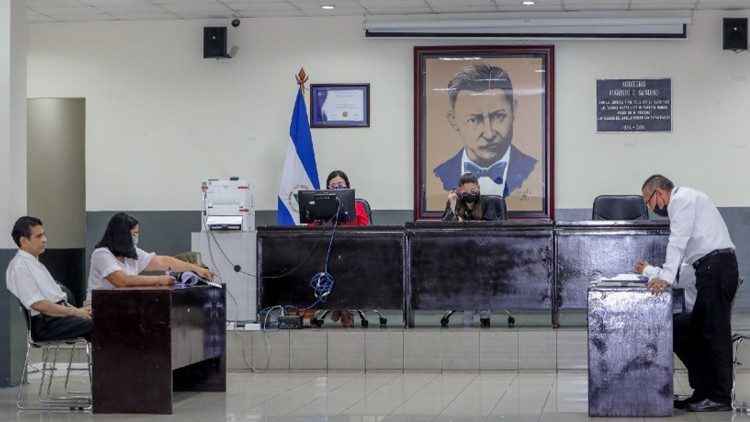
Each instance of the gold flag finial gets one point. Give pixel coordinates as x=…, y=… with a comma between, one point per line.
x=301, y=78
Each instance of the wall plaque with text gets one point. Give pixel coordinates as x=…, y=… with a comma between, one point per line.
x=634, y=105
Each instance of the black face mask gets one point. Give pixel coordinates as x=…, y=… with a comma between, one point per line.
x=661, y=212
x=471, y=197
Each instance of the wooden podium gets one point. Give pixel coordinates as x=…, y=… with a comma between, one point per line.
x=150, y=341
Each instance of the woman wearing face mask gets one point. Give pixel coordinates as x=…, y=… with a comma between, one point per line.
x=338, y=180
x=465, y=203
x=117, y=260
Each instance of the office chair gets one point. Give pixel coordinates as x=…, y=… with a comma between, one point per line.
x=484, y=315
x=619, y=207
x=502, y=210
x=73, y=400
x=367, y=209
x=737, y=340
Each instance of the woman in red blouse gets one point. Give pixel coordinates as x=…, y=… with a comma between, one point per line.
x=338, y=180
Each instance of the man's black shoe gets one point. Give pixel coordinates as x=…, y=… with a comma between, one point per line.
x=708, y=405
x=681, y=402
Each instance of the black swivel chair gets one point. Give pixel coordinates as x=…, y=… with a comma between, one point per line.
x=502, y=212
x=619, y=207
x=367, y=209
x=500, y=205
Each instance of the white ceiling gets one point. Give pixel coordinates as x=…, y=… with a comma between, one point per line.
x=129, y=10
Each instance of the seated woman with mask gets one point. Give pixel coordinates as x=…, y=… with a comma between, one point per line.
x=465, y=203
x=117, y=260
x=338, y=180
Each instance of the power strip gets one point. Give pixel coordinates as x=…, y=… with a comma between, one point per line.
x=290, y=322
x=250, y=326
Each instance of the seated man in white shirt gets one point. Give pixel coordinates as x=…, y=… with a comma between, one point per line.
x=699, y=237
x=52, y=318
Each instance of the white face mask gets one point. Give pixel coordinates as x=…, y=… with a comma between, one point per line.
x=135, y=240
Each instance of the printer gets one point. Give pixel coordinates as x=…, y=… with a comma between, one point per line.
x=228, y=204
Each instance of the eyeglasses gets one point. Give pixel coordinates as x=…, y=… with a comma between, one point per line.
x=337, y=186
x=468, y=192
x=650, y=197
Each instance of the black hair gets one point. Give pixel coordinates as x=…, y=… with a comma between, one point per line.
x=479, y=78
x=117, y=237
x=22, y=228
x=462, y=208
x=657, y=181
x=338, y=173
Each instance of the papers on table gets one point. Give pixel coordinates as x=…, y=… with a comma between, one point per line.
x=621, y=280
x=629, y=277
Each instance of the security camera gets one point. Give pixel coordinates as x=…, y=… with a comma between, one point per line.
x=236, y=22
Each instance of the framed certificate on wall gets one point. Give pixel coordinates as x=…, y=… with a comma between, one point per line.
x=339, y=105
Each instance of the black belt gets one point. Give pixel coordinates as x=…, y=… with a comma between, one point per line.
x=714, y=252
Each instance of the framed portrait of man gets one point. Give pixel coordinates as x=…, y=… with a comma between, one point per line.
x=485, y=110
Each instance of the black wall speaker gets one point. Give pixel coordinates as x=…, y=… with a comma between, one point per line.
x=214, y=42
x=735, y=34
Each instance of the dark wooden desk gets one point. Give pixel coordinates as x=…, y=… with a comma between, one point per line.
x=587, y=250
x=630, y=361
x=150, y=341
x=366, y=261
x=536, y=265
x=479, y=265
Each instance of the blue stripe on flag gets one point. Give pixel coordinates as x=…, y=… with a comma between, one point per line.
x=284, y=217
x=299, y=131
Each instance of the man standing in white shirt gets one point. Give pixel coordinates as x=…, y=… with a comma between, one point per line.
x=698, y=236
x=52, y=318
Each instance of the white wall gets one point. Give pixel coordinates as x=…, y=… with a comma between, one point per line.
x=160, y=118
x=12, y=116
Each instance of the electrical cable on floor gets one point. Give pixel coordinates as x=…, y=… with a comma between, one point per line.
x=322, y=282
x=226, y=290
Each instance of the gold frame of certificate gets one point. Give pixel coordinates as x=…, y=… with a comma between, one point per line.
x=339, y=105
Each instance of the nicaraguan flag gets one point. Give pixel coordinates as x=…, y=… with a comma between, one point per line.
x=300, y=171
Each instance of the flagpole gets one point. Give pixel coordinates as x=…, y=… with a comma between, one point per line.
x=300, y=171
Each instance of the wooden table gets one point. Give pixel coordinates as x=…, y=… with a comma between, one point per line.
x=151, y=341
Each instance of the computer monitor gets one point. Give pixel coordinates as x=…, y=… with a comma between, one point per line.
x=321, y=205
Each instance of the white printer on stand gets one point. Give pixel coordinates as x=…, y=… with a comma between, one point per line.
x=228, y=204
x=227, y=240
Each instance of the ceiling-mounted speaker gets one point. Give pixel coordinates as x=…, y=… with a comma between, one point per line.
x=735, y=34
x=215, y=42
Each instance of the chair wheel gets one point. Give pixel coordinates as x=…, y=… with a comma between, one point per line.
x=444, y=322
x=383, y=322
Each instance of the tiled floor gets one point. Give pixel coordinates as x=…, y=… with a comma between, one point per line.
x=382, y=396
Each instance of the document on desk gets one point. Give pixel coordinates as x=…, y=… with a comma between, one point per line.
x=622, y=280
x=629, y=277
